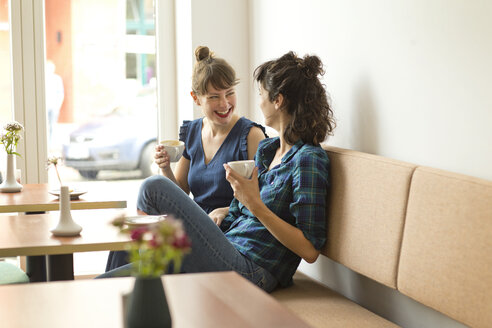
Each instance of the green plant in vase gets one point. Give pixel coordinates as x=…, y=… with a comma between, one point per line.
x=9, y=138
x=152, y=250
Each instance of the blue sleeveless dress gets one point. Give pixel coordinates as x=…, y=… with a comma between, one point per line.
x=207, y=182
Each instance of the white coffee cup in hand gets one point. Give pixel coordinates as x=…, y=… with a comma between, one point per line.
x=244, y=168
x=174, y=149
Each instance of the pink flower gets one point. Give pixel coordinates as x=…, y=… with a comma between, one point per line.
x=154, y=246
x=138, y=233
x=156, y=240
x=182, y=241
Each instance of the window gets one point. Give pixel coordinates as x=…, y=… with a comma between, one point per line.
x=108, y=73
x=5, y=72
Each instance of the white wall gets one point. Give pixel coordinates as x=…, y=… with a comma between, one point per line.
x=223, y=26
x=410, y=80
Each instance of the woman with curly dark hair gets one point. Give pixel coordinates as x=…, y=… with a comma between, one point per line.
x=305, y=101
x=277, y=216
x=284, y=203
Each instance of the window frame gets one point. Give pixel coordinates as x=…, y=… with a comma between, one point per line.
x=28, y=54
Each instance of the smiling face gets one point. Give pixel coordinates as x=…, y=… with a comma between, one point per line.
x=217, y=105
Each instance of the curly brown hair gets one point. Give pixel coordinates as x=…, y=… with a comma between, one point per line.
x=213, y=70
x=305, y=97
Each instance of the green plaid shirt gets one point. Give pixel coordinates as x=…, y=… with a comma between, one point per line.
x=295, y=190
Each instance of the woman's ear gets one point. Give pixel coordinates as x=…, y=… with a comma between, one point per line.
x=195, y=98
x=279, y=101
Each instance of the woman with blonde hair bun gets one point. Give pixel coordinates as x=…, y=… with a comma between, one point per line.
x=220, y=136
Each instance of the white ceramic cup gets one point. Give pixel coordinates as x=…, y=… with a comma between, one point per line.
x=245, y=168
x=174, y=149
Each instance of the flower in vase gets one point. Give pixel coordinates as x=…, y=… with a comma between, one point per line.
x=11, y=136
x=54, y=161
x=155, y=246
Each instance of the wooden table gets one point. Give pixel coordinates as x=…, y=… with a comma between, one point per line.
x=222, y=299
x=35, y=198
x=29, y=235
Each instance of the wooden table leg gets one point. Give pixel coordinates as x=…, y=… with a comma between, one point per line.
x=60, y=267
x=36, y=268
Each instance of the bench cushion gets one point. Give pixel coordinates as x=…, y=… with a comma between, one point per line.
x=367, y=200
x=320, y=306
x=446, y=256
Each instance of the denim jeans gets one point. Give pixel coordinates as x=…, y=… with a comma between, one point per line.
x=210, y=249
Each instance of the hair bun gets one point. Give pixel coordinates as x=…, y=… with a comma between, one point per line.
x=202, y=53
x=313, y=65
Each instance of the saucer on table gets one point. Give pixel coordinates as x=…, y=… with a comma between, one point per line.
x=143, y=220
x=74, y=194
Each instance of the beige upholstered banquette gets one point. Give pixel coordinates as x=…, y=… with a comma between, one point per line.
x=446, y=254
x=425, y=233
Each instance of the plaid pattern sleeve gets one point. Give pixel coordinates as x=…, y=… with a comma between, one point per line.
x=310, y=181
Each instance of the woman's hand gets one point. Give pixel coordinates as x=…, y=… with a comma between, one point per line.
x=161, y=158
x=246, y=191
x=219, y=214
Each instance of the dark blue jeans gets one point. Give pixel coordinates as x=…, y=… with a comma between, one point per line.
x=210, y=249
x=116, y=259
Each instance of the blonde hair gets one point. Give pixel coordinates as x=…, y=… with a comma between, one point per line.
x=213, y=70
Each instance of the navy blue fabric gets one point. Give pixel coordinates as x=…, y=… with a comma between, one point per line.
x=207, y=182
x=116, y=259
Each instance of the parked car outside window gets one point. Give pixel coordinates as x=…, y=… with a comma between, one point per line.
x=122, y=140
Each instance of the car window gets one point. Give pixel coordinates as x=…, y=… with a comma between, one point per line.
x=145, y=101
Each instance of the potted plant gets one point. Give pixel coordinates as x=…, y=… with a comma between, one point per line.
x=10, y=138
x=153, y=249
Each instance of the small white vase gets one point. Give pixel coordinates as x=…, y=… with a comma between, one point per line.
x=66, y=226
x=10, y=184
